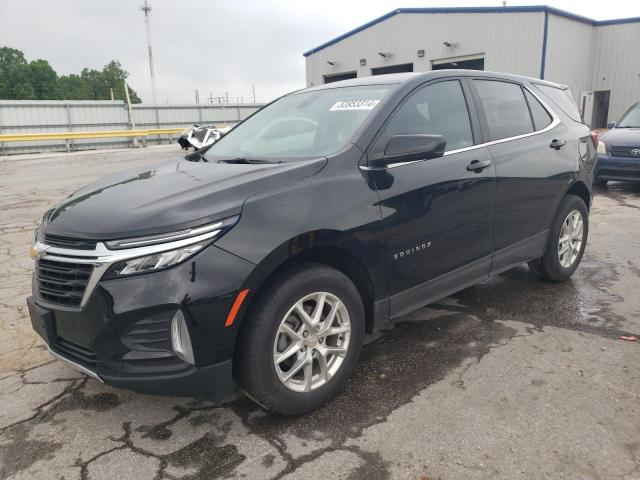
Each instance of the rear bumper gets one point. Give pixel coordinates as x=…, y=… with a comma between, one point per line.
x=617, y=168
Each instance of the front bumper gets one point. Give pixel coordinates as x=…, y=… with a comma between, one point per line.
x=121, y=336
x=617, y=168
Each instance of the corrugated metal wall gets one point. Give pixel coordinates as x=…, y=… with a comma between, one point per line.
x=584, y=56
x=510, y=42
x=617, y=65
x=570, y=45
x=34, y=116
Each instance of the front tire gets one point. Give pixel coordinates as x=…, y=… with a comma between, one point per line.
x=302, y=340
x=566, y=241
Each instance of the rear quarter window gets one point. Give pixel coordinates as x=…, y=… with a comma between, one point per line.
x=541, y=118
x=562, y=98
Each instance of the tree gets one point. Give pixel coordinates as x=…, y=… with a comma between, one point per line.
x=15, y=76
x=114, y=77
x=44, y=80
x=18, y=81
x=72, y=87
x=38, y=80
x=94, y=84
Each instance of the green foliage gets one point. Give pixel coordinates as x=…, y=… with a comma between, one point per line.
x=44, y=80
x=15, y=76
x=36, y=80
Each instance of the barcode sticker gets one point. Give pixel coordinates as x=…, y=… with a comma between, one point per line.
x=354, y=105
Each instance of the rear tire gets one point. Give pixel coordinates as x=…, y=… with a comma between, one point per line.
x=284, y=360
x=566, y=241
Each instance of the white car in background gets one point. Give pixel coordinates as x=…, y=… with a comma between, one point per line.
x=198, y=137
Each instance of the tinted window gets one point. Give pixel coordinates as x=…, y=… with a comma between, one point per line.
x=541, y=117
x=438, y=109
x=562, y=97
x=631, y=119
x=505, y=108
x=306, y=124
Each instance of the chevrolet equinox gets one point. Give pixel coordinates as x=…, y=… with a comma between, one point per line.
x=263, y=259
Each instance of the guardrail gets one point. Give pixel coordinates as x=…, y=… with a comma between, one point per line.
x=33, y=137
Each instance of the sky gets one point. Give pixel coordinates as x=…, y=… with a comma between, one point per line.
x=213, y=46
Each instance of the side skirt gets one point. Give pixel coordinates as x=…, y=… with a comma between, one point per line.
x=439, y=287
x=519, y=253
x=445, y=285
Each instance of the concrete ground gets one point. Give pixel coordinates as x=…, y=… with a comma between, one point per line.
x=513, y=378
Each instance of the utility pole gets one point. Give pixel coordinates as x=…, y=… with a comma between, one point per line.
x=132, y=119
x=111, y=92
x=146, y=8
x=254, y=94
x=197, y=96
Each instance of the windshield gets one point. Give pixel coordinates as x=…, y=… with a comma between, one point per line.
x=631, y=119
x=306, y=124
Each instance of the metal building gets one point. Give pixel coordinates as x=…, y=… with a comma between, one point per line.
x=599, y=60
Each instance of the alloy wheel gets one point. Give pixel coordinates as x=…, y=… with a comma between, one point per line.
x=311, y=342
x=570, y=240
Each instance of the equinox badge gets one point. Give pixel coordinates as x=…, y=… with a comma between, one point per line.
x=412, y=250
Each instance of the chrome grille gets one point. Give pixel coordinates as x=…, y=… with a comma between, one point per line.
x=62, y=283
x=625, y=152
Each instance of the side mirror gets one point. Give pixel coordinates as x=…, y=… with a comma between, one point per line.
x=409, y=148
x=194, y=156
x=611, y=125
x=197, y=155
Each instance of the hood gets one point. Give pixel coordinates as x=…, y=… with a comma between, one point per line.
x=167, y=197
x=622, y=137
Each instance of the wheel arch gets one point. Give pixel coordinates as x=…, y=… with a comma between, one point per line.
x=579, y=189
x=311, y=248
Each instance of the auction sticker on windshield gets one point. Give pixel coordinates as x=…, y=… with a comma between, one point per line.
x=354, y=105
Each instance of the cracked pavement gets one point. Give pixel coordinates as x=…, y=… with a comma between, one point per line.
x=513, y=378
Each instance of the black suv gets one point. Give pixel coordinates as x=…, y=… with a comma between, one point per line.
x=265, y=258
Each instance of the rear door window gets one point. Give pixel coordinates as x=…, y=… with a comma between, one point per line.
x=505, y=109
x=541, y=117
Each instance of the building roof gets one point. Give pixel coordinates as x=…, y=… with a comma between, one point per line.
x=407, y=77
x=519, y=9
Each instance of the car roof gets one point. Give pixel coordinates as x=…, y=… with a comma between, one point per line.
x=415, y=77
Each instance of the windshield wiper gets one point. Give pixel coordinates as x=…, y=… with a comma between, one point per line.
x=247, y=161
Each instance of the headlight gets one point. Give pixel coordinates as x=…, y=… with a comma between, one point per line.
x=154, y=262
x=212, y=230
x=602, y=148
x=36, y=239
x=38, y=234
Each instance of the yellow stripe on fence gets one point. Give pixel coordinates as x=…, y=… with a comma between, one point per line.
x=33, y=137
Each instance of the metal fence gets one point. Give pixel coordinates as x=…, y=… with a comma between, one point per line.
x=48, y=116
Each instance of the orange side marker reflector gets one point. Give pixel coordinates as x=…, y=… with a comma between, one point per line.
x=236, y=306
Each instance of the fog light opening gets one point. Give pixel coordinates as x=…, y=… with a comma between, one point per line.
x=180, y=340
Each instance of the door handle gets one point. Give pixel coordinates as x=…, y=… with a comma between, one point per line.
x=557, y=144
x=478, y=165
